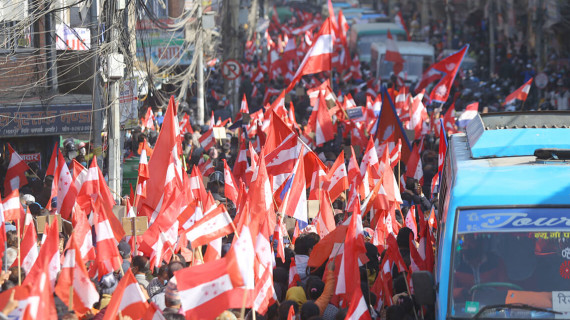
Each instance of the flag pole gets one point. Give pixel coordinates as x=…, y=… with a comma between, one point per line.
x=410, y=293
x=399, y=177
x=70, y=298
x=19, y=255
x=244, y=300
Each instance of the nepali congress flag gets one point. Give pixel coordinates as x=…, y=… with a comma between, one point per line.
x=520, y=94
x=469, y=113
x=449, y=66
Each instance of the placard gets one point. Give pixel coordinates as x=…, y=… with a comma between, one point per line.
x=561, y=303
x=354, y=113
x=141, y=225
x=41, y=222
x=219, y=133
x=313, y=207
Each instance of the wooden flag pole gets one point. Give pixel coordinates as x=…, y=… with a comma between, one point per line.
x=134, y=226
x=70, y=298
x=244, y=300
x=19, y=255
x=399, y=177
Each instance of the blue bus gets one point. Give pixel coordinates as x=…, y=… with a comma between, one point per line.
x=503, y=246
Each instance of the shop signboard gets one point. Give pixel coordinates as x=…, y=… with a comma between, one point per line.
x=22, y=121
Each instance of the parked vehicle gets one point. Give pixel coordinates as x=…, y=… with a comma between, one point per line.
x=362, y=36
x=418, y=57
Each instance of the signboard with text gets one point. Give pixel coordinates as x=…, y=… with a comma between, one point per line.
x=44, y=121
x=163, y=48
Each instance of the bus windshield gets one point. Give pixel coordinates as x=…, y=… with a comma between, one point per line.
x=511, y=263
x=413, y=66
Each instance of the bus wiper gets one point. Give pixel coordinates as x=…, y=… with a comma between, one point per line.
x=512, y=306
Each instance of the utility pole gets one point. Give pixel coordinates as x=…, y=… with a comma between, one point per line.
x=115, y=69
x=200, y=67
x=50, y=51
x=448, y=26
x=231, y=42
x=98, y=113
x=491, y=37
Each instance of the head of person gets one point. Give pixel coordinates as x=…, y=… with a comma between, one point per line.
x=473, y=248
x=308, y=310
x=284, y=309
x=139, y=264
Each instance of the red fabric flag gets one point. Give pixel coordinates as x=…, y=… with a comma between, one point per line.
x=215, y=224
x=108, y=258
x=28, y=245
x=449, y=120
x=389, y=124
x=40, y=302
x=295, y=200
x=50, y=171
x=63, y=188
x=206, y=290
x=240, y=164
x=324, y=129
x=167, y=142
x=12, y=207
x=128, y=299
x=358, y=310
x=74, y=275
x=337, y=178
x=449, y=66
x=318, y=58
x=324, y=222
x=230, y=189
x=294, y=278
x=16, y=173
x=520, y=94
x=349, y=275
x=48, y=258
x=82, y=234
x=393, y=54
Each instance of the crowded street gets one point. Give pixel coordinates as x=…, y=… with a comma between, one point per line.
x=313, y=159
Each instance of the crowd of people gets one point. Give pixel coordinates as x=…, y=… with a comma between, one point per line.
x=389, y=229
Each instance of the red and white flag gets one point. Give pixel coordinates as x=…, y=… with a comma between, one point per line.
x=108, y=258
x=358, y=310
x=153, y=313
x=414, y=167
x=63, y=188
x=16, y=173
x=127, y=300
x=40, y=303
x=400, y=21
x=74, y=278
x=12, y=207
x=48, y=257
x=82, y=234
x=470, y=112
x=50, y=171
x=393, y=54
x=185, y=125
x=294, y=278
x=449, y=120
x=207, y=139
x=295, y=201
x=449, y=66
x=520, y=94
x=418, y=116
x=206, y=290
x=240, y=165
x=230, y=189
x=410, y=221
x=324, y=129
x=215, y=224
x=318, y=58
x=28, y=246
x=143, y=176
x=337, y=178
x=148, y=120
x=324, y=222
